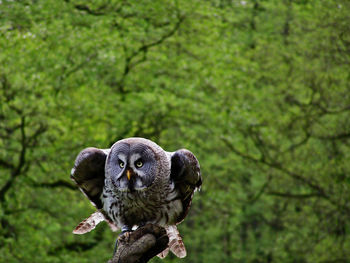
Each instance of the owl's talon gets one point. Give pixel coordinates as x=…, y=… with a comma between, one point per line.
x=124, y=236
x=115, y=246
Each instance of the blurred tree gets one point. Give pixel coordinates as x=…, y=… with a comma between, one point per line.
x=258, y=90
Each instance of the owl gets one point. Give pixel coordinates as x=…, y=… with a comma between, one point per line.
x=136, y=182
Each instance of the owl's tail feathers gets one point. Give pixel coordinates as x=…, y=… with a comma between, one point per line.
x=164, y=253
x=91, y=222
x=176, y=245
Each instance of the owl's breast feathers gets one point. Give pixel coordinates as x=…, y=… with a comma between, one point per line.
x=160, y=204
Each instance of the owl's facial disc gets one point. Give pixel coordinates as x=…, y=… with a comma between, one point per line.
x=131, y=166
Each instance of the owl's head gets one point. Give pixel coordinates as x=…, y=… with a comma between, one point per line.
x=133, y=164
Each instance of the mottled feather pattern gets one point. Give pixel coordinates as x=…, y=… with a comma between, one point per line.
x=176, y=244
x=148, y=206
x=89, y=223
x=92, y=221
x=164, y=253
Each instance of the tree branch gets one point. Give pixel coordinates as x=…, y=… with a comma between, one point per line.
x=129, y=60
x=318, y=189
x=340, y=136
x=277, y=166
x=141, y=245
x=16, y=171
x=6, y=164
x=89, y=11
x=58, y=183
x=261, y=191
x=289, y=195
x=22, y=165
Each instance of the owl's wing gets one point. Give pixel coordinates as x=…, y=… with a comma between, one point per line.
x=175, y=245
x=89, y=173
x=92, y=221
x=89, y=223
x=185, y=172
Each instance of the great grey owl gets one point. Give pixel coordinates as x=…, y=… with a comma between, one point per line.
x=136, y=182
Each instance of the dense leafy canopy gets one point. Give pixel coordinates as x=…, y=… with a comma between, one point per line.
x=259, y=90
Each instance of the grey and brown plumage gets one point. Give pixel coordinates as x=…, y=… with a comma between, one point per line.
x=136, y=182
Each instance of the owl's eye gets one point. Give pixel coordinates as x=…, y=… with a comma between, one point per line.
x=138, y=163
x=121, y=164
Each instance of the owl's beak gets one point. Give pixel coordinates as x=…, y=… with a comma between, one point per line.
x=128, y=174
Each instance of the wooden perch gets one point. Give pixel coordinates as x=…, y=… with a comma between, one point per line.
x=141, y=245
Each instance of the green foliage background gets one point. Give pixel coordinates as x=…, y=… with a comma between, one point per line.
x=259, y=90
